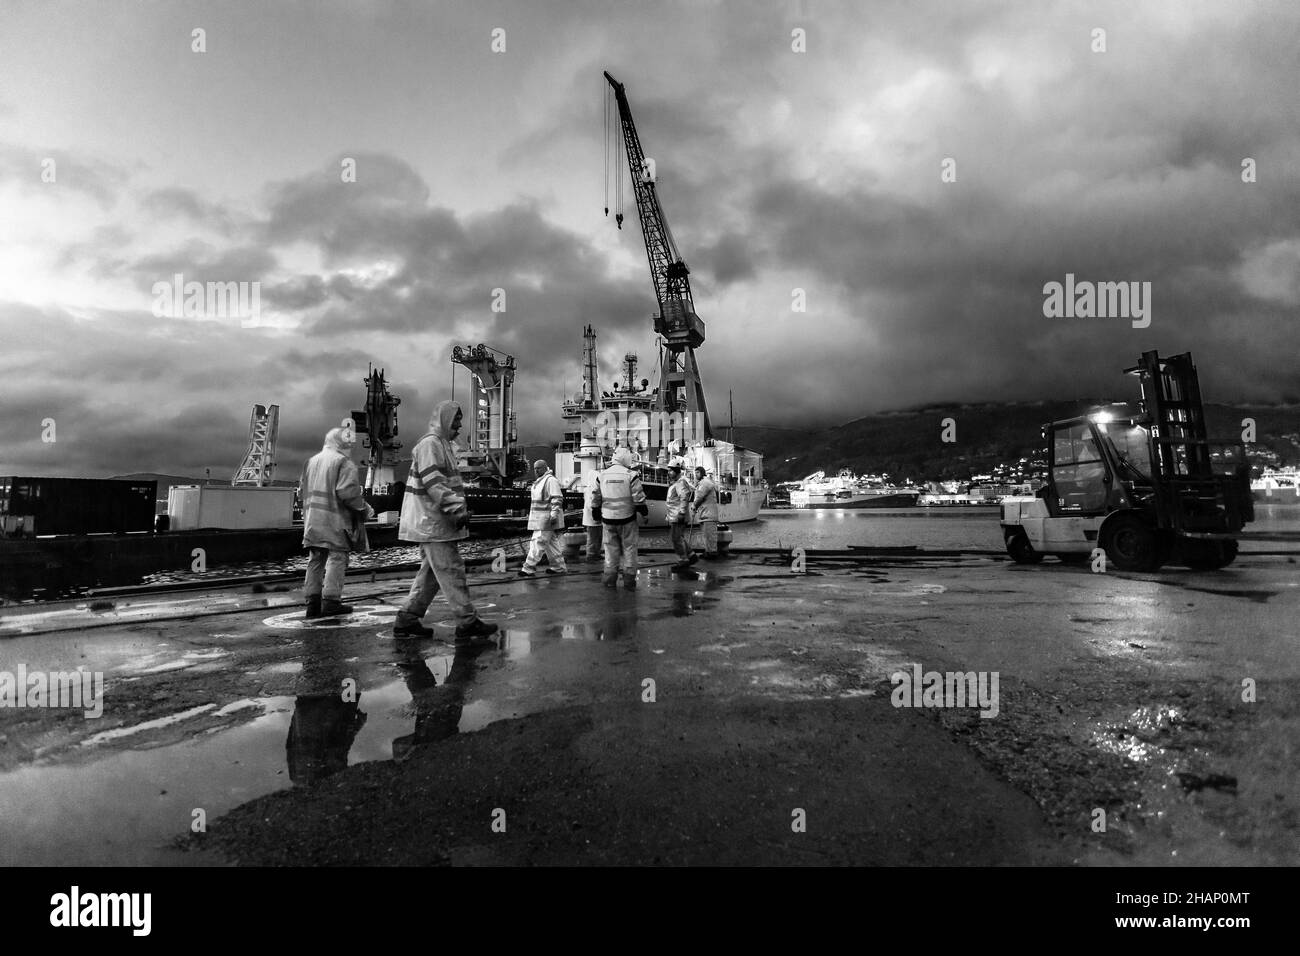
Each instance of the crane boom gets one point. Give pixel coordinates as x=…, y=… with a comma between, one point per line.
x=680, y=388
x=677, y=321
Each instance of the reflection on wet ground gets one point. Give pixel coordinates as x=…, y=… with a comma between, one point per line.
x=343, y=692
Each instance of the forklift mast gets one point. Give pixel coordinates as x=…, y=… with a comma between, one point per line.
x=1188, y=487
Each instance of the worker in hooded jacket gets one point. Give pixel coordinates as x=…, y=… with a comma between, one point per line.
x=333, y=515
x=620, y=498
x=545, y=518
x=705, y=504
x=435, y=516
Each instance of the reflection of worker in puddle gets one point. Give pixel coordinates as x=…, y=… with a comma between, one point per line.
x=326, y=715
x=437, y=709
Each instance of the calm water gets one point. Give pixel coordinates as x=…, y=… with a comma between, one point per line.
x=935, y=528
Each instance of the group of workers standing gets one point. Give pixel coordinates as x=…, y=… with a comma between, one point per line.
x=435, y=515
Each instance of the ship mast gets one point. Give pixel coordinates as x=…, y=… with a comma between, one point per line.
x=680, y=388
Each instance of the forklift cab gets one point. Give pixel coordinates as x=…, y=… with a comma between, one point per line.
x=1091, y=460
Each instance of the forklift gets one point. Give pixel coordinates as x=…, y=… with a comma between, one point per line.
x=1142, y=483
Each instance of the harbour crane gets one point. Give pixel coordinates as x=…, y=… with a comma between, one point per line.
x=680, y=388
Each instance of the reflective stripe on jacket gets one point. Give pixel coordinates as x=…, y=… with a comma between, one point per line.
x=331, y=492
x=706, y=500
x=435, y=498
x=618, y=492
x=679, y=496
x=546, y=506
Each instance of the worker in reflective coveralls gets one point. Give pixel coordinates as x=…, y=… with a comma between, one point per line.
x=590, y=522
x=435, y=516
x=333, y=521
x=680, y=494
x=620, y=498
x=545, y=519
x=706, y=511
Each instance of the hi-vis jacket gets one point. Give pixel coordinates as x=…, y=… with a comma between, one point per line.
x=546, y=507
x=679, y=498
x=331, y=491
x=706, y=500
x=589, y=489
x=618, y=491
x=435, y=495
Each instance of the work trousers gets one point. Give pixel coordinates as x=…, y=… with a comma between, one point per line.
x=441, y=568
x=325, y=570
x=594, y=535
x=710, y=536
x=545, y=541
x=620, y=542
x=681, y=535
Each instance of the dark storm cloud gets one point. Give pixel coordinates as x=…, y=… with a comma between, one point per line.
x=200, y=261
x=728, y=260
x=100, y=179
x=443, y=268
x=177, y=202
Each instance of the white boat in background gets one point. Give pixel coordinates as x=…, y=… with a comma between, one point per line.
x=1280, y=486
x=847, y=490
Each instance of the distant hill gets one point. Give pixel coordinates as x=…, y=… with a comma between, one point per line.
x=907, y=444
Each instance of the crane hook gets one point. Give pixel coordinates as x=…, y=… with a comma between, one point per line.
x=618, y=217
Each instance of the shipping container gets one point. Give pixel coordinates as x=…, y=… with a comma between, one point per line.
x=78, y=505
x=229, y=506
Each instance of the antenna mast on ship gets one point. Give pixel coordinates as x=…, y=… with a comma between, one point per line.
x=680, y=388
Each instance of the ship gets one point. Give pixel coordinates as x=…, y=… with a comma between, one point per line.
x=847, y=490
x=652, y=423
x=1277, y=486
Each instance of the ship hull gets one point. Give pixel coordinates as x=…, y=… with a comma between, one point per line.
x=900, y=499
x=1278, y=496
x=738, y=503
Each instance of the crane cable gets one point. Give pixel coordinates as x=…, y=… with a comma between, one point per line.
x=605, y=144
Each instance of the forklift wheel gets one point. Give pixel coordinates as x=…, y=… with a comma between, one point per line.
x=1021, y=551
x=1131, y=544
x=1208, y=555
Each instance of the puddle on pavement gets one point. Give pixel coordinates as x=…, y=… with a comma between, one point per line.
x=127, y=807
x=519, y=642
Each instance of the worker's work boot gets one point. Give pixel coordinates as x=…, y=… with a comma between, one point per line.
x=331, y=607
x=609, y=580
x=408, y=625
x=476, y=634
x=629, y=580
x=313, y=606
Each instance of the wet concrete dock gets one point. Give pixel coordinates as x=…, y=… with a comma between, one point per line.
x=734, y=713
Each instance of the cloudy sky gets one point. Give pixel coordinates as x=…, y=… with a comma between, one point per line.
x=779, y=169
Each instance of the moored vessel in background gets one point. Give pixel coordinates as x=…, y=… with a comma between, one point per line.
x=847, y=490
x=1277, y=486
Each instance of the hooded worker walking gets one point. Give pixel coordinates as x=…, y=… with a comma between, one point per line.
x=545, y=518
x=620, y=498
x=333, y=521
x=435, y=516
